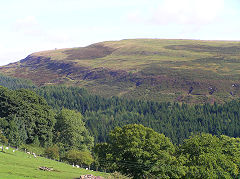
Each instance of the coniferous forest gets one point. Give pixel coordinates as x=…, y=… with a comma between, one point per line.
x=176, y=121
x=184, y=140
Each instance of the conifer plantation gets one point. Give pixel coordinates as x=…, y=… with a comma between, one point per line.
x=135, y=137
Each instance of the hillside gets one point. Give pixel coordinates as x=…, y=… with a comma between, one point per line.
x=163, y=70
x=101, y=115
x=21, y=165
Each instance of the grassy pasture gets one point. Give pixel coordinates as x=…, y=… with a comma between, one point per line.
x=21, y=165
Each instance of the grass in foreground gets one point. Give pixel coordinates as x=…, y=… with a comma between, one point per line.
x=21, y=165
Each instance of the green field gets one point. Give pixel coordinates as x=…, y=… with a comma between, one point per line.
x=21, y=165
x=152, y=69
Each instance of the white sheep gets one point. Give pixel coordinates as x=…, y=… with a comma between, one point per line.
x=13, y=151
x=6, y=148
x=77, y=166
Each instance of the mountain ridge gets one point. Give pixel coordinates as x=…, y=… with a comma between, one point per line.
x=154, y=69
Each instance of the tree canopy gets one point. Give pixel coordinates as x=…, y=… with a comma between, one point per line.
x=174, y=120
x=139, y=151
x=101, y=115
x=208, y=156
x=143, y=153
x=77, y=157
x=71, y=131
x=25, y=117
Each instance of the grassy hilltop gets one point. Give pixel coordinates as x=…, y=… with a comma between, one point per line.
x=163, y=70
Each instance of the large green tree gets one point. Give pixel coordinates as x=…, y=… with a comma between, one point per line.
x=77, y=157
x=25, y=117
x=140, y=152
x=71, y=131
x=208, y=156
x=52, y=152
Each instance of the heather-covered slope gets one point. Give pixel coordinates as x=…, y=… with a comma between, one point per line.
x=163, y=70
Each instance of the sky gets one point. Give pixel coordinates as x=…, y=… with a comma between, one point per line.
x=28, y=26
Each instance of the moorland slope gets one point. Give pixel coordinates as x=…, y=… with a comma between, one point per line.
x=189, y=71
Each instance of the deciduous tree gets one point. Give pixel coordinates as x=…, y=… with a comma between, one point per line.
x=140, y=152
x=79, y=157
x=209, y=156
x=71, y=131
